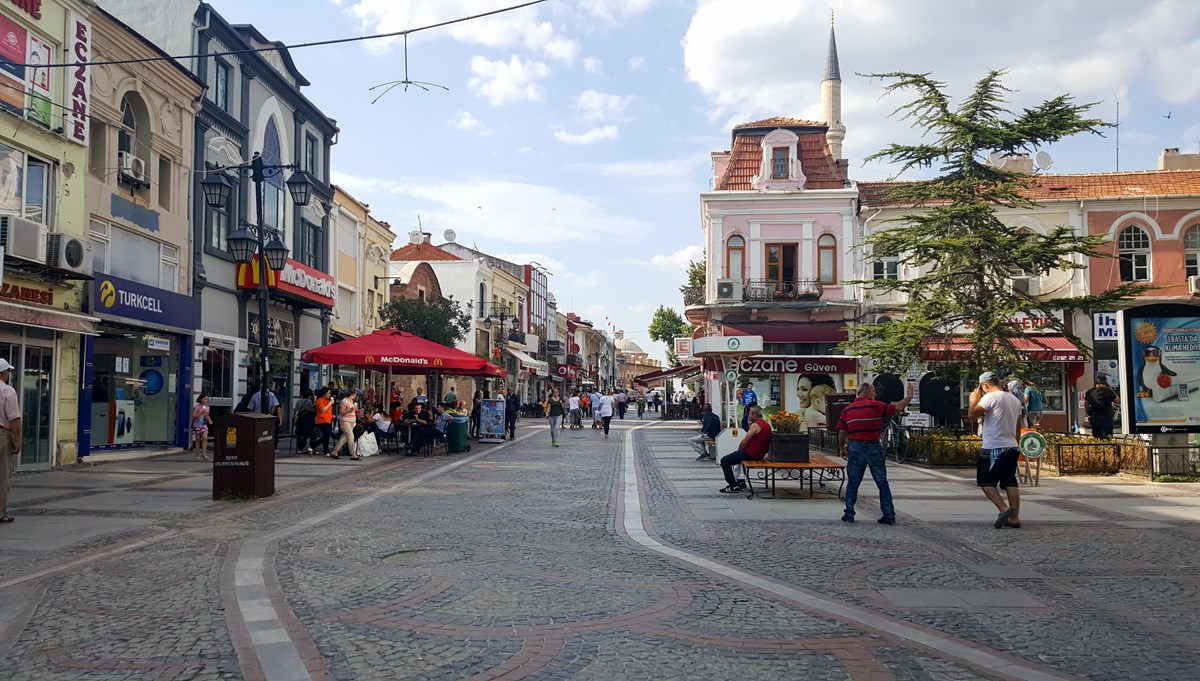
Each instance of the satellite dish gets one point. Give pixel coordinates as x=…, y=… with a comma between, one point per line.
x=996, y=159
x=1042, y=160
x=449, y=235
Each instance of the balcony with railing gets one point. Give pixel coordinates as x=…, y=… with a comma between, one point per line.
x=782, y=291
x=693, y=295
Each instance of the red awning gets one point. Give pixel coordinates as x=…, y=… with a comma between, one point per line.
x=403, y=353
x=1041, y=348
x=799, y=332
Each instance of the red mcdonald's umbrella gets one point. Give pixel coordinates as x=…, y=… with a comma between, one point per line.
x=402, y=353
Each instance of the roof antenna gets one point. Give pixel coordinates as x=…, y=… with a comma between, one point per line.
x=1118, y=132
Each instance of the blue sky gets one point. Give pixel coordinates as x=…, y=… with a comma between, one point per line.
x=577, y=133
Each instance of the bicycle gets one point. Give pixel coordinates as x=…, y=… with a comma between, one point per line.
x=895, y=439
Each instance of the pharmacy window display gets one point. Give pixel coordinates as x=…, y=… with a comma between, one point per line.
x=799, y=385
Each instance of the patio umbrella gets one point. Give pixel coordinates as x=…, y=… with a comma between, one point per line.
x=402, y=353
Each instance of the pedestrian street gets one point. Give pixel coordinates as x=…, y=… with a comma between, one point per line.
x=599, y=559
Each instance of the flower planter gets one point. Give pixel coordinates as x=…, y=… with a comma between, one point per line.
x=788, y=448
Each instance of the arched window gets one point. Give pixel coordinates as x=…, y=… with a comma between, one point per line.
x=1133, y=247
x=482, y=300
x=827, y=259
x=1191, y=251
x=128, y=132
x=735, y=258
x=274, y=209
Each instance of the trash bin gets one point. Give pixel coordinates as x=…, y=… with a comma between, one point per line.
x=244, y=465
x=456, y=435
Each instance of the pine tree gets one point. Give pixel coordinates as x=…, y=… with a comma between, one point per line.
x=961, y=255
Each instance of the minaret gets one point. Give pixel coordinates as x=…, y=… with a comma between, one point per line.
x=831, y=97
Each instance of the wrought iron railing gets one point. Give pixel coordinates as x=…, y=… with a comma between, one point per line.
x=770, y=290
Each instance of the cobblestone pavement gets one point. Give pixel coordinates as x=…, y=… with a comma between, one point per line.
x=596, y=560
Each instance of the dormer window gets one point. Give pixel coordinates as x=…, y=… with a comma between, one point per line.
x=779, y=163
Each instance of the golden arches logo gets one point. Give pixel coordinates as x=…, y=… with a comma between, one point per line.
x=437, y=362
x=108, y=293
x=369, y=359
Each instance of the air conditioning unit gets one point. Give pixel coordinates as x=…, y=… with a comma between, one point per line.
x=1194, y=286
x=729, y=289
x=1030, y=286
x=23, y=238
x=131, y=167
x=71, y=253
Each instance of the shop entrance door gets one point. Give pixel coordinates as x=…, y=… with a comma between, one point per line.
x=31, y=378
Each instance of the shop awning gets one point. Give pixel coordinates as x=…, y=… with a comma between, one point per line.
x=48, y=318
x=800, y=332
x=678, y=372
x=401, y=353
x=1040, y=348
x=539, y=367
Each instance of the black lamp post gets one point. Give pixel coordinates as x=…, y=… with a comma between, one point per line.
x=505, y=317
x=251, y=240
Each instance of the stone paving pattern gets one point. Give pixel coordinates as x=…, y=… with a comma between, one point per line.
x=515, y=564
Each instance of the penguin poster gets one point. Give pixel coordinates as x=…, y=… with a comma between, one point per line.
x=1164, y=358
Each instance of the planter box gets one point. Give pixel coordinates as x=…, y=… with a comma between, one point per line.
x=788, y=448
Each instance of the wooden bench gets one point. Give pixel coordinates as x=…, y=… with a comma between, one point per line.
x=818, y=469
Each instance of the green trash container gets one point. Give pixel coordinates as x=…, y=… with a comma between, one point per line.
x=456, y=435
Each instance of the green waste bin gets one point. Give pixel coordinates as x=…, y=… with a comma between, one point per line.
x=456, y=435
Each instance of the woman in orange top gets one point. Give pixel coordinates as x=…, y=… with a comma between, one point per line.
x=324, y=420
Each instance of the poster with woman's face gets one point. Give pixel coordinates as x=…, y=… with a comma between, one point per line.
x=806, y=395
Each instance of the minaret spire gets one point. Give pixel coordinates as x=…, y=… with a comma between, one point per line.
x=831, y=96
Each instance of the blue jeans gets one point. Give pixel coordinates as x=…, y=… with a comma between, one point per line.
x=861, y=456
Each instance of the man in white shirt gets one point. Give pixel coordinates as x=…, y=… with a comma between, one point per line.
x=997, y=463
x=573, y=410
x=608, y=404
x=10, y=436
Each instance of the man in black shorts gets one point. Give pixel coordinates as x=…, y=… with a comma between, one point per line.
x=997, y=464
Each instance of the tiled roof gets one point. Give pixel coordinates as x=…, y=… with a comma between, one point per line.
x=779, y=122
x=421, y=252
x=1123, y=185
x=745, y=161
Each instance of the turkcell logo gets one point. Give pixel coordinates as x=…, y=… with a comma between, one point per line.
x=1104, y=326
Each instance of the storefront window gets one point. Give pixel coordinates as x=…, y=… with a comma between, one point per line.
x=1052, y=383
x=135, y=394
x=217, y=377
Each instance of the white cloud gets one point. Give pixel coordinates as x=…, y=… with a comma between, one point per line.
x=656, y=177
x=520, y=27
x=680, y=259
x=494, y=210
x=463, y=120
x=507, y=82
x=598, y=106
x=608, y=132
x=523, y=258
x=593, y=66
x=612, y=10
x=636, y=63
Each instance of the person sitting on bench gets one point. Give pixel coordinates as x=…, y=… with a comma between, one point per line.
x=753, y=447
x=433, y=429
x=710, y=427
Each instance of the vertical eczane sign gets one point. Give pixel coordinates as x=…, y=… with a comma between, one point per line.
x=79, y=47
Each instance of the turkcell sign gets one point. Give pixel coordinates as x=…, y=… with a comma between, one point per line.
x=123, y=299
x=1104, y=326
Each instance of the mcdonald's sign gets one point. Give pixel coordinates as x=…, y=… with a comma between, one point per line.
x=295, y=279
x=369, y=359
x=437, y=362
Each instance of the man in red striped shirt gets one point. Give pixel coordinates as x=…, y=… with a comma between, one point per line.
x=861, y=423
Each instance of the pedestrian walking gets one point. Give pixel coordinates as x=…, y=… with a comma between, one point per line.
x=512, y=404
x=305, y=421
x=641, y=405
x=622, y=402
x=200, y=421
x=753, y=447
x=575, y=412
x=10, y=436
x=710, y=427
x=323, y=420
x=347, y=421
x=997, y=463
x=596, y=397
x=1098, y=403
x=554, y=414
x=607, y=405
x=859, y=429
x=1035, y=404
x=476, y=414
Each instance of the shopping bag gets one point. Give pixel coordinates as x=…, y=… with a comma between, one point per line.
x=367, y=445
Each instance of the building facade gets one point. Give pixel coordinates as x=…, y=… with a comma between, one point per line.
x=44, y=136
x=138, y=369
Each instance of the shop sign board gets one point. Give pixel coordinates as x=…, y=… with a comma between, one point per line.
x=1160, y=354
x=281, y=335
x=1025, y=322
x=295, y=278
x=125, y=299
x=1104, y=326
x=785, y=364
x=79, y=36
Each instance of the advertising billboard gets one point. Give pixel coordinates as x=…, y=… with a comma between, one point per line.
x=1160, y=355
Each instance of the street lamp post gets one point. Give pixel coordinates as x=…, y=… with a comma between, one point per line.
x=251, y=240
x=504, y=315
